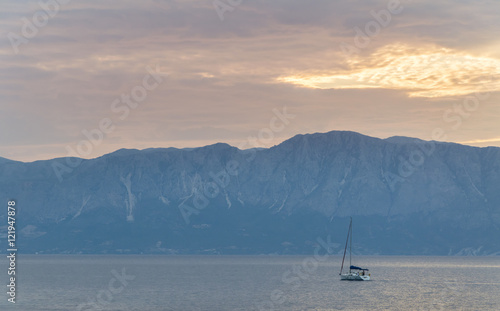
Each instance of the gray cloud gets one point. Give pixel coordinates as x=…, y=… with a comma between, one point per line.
x=222, y=75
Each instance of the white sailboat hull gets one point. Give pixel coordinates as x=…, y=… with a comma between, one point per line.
x=354, y=277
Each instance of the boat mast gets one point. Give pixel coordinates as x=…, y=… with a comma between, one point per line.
x=345, y=249
x=350, y=247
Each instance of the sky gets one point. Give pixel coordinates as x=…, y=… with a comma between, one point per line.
x=85, y=78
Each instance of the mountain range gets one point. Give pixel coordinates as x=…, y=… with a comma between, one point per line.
x=406, y=196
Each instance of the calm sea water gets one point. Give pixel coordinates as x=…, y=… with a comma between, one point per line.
x=66, y=282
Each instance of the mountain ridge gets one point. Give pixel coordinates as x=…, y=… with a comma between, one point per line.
x=272, y=200
x=396, y=139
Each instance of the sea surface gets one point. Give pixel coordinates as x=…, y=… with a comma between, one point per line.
x=141, y=282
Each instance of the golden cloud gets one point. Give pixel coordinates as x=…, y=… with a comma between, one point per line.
x=423, y=72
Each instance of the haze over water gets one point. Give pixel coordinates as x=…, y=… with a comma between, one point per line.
x=76, y=282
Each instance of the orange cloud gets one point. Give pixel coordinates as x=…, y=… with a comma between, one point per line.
x=429, y=72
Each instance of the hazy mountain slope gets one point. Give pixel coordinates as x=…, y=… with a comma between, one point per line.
x=406, y=196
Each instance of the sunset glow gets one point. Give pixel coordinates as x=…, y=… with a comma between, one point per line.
x=222, y=78
x=430, y=72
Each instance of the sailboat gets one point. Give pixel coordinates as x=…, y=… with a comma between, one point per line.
x=355, y=273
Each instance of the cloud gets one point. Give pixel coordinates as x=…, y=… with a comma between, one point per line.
x=226, y=77
x=422, y=72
